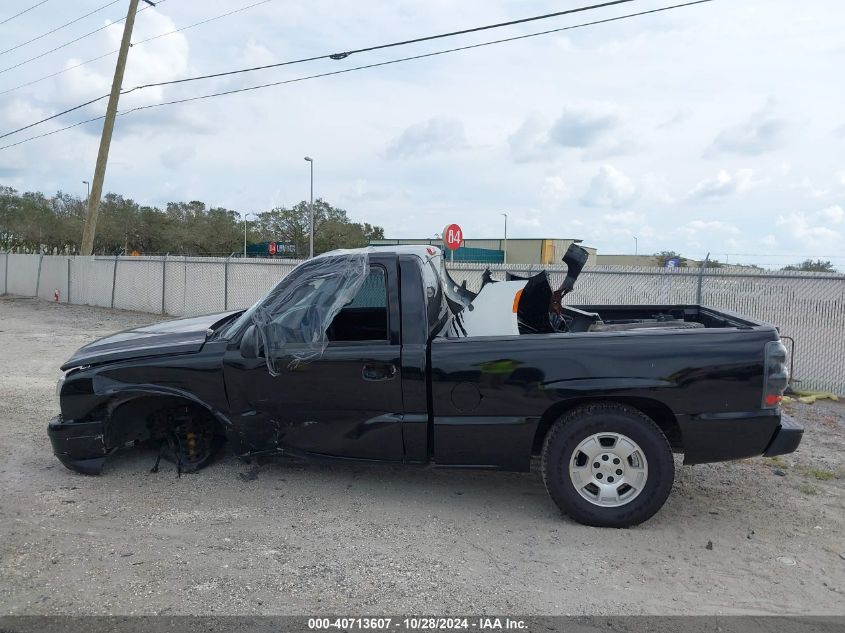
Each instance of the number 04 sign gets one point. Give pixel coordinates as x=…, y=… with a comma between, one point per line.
x=453, y=237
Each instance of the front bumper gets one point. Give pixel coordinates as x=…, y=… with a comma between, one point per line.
x=787, y=438
x=80, y=446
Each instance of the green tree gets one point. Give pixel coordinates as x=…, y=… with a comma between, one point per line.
x=33, y=222
x=810, y=265
x=332, y=228
x=664, y=256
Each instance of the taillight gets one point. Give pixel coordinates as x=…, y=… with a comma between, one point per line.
x=775, y=374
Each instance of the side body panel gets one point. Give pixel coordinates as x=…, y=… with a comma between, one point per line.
x=489, y=394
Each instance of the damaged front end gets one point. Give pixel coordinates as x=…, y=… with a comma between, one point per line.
x=80, y=446
x=102, y=412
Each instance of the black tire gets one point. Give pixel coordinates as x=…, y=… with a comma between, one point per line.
x=579, y=424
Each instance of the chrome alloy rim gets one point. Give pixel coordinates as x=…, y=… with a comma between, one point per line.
x=608, y=469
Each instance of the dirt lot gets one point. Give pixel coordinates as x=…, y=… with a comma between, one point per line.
x=758, y=536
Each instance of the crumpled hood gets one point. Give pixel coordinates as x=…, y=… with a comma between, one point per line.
x=179, y=336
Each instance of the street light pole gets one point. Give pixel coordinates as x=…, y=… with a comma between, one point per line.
x=246, y=215
x=636, y=245
x=311, y=206
x=505, y=258
x=85, y=182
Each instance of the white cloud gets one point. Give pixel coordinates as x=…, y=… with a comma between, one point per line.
x=256, y=54
x=625, y=217
x=610, y=188
x=834, y=214
x=581, y=127
x=722, y=186
x=595, y=129
x=760, y=133
x=803, y=228
x=528, y=142
x=806, y=185
x=555, y=190
x=769, y=241
x=438, y=134
x=713, y=225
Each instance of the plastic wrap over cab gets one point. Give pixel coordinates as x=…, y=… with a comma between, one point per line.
x=293, y=320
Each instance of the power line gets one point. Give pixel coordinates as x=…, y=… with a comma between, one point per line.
x=59, y=28
x=343, y=55
x=17, y=15
x=364, y=67
x=54, y=116
x=60, y=72
x=32, y=138
x=328, y=56
x=201, y=22
x=149, y=39
x=73, y=41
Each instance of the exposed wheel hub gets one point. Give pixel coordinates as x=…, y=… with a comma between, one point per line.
x=608, y=469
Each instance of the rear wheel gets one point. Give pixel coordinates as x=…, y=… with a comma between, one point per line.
x=607, y=465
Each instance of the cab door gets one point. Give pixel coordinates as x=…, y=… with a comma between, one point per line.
x=346, y=403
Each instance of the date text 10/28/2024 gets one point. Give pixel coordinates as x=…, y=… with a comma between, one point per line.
x=417, y=624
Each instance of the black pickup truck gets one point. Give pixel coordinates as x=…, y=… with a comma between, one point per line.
x=379, y=355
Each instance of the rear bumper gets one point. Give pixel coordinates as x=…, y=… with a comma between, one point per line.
x=80, y=446
x=720, y=437
x=787, y=438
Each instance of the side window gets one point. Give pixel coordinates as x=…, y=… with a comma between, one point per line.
x=365, y=317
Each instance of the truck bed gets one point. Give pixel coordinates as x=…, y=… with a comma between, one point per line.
x=706, y=316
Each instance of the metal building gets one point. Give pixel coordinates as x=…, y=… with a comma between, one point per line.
x=519, y=250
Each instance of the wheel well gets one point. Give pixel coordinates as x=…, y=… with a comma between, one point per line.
x=657, y=411
x=132, y=419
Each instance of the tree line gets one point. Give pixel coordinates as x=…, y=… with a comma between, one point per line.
x=32, y=222
x=808, y=265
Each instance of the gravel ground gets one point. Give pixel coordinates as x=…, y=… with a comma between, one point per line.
x=757, y=536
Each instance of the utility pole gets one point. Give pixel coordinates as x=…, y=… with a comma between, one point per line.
x=108, y=128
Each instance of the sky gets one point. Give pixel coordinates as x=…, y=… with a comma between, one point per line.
x=714, y=128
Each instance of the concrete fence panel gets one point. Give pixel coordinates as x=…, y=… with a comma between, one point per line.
x=4, y=272
x=54, y=278
x=138, y=284
x=23, y=275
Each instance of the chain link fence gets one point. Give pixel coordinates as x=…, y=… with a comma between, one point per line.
x=808, y=307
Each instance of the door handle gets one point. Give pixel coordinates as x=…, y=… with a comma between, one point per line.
x=378, y=371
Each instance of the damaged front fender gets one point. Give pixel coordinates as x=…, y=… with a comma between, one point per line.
x=101, y=414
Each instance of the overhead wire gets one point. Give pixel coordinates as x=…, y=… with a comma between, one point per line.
x=427, y=38
x=20, y=13
x=75, y=40
x=328, y=56
x=58, y=28
x=138, y=43
x=404, y=59
x=363, y=67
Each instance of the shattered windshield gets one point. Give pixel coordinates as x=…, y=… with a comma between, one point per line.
x=292, y=320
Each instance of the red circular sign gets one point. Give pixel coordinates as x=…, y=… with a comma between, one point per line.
x=272, y=248
x=453, y=237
